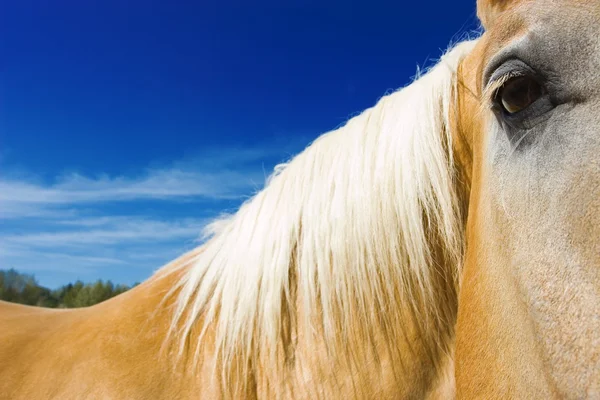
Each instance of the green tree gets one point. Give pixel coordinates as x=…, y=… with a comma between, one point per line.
x=23, y=288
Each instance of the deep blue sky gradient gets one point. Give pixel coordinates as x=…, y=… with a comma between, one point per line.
x=114, y=89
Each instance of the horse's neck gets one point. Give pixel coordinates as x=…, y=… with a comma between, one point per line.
x=407, y=371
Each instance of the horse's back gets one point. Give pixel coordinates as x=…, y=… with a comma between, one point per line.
x=19, y=314
x=64, y=354
x=20, y=326
x=108, y=351
x=25, y=333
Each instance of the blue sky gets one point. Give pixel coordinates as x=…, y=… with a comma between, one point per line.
x=126, y=125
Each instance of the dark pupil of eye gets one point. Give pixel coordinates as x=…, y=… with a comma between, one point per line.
x=519, y=93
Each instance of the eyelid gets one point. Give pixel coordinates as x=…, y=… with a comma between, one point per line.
x=516, y=50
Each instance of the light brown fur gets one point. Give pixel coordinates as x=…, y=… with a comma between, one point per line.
x=111, y=350
x=117, y=349
x=502, y=348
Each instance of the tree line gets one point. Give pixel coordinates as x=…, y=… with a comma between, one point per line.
x=24, y=289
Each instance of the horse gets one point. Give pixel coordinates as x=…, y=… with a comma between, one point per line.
x=443, y=243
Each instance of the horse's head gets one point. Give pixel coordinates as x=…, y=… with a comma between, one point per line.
x=529, y=307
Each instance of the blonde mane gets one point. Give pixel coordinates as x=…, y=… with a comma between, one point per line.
x=362, y=224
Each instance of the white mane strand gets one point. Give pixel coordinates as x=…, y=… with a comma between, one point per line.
x=341, y=239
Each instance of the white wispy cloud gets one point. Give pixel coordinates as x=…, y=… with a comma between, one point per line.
x=108, y=231
x=216, y=175
x=82, y=247
x=18, y=197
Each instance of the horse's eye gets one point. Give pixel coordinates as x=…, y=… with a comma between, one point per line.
x=518, y=93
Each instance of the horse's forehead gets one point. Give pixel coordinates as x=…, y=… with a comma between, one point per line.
x=509, y=26
x=545, y=17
